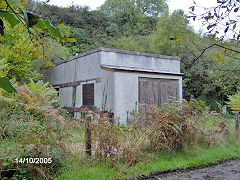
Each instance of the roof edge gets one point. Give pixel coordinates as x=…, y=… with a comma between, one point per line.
x=119, y=51
x=138, y=53
x=140, y=71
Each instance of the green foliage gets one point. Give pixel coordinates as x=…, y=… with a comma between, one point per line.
x=20, y=30
x=199, y=106
x=234, y=102
x=32, y=126
x=6, y=85
x=152, y=8
x=171, y=28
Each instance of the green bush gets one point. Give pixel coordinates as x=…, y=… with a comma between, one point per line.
x=32, y=123
x=234, y=102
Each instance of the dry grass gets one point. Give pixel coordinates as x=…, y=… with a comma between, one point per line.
x=167, y=129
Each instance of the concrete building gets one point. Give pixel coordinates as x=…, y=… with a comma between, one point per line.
x=117, y=81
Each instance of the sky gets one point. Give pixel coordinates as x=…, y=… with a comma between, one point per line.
x=173, y=5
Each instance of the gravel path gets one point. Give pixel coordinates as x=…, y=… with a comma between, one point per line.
x=225, y=171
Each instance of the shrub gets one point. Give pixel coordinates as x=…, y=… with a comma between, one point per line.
x=168, y=128
x=234, y=102
x=31, y=120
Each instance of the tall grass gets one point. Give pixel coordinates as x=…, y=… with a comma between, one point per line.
x=176, y=135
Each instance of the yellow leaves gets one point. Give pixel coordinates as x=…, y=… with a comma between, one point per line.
x=48, y=64
x=18, y=56
x=38, y=29
x=3, y=4
x=227, y=43
x=60, y=25
x=63, y=41
x=71, y=39
x=44, y=56
x=67, y=33
x=219, y=58
x=32, y=107
x=222, y=79
x=22, y=104
x=2, y=39
x=24, y=2
x=177, y=38
x=26, y=96
x=227, y=52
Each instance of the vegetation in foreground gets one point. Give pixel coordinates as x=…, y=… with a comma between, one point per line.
x=130, y=152
x=175, y=135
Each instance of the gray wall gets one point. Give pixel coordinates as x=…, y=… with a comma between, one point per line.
x=107, y=90
x=139, y=62
x=82, y=68
x=126, y=92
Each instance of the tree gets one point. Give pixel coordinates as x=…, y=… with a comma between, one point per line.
x=221, y=19
x=171, y=29
x=131, y=15
x=14, y=17
x=153, y=8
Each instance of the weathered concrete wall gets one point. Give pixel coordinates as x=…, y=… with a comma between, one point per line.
x=126, y=92
x=85, y=69
x=107, y=92
x=139, y=62
x=66, y=96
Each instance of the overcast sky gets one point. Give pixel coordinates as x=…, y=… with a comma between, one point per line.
x=173, y=5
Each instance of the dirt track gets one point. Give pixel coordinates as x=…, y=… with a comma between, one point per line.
x=225, y=171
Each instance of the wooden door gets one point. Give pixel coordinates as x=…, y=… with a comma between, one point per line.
x=156, y=91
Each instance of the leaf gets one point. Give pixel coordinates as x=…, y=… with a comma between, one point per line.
x=192, y=8
x=40, y=24
x=211, y=25
x=24, y=2
x=11, y=19
x=177, y=38
x=226, y=30
x=6, y=85
x=71, y=39
x=208, y=17
x=5, y=163
x=3, y=4
x=234, y=26
x=60, y=25
x=67, y=32
x=53, y=31
x=238, y=36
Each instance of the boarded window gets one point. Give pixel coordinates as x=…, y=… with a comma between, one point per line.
x=157, y=91
x=88, y=94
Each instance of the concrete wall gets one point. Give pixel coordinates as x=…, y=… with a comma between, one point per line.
x=140, y=62
x=107, y=91
x=84, y=69
x=66, y=96
x=126, y=92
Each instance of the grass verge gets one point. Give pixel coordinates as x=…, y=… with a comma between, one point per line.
x=90, y=169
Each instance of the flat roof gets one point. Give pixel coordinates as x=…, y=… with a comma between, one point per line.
x=117, y=51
